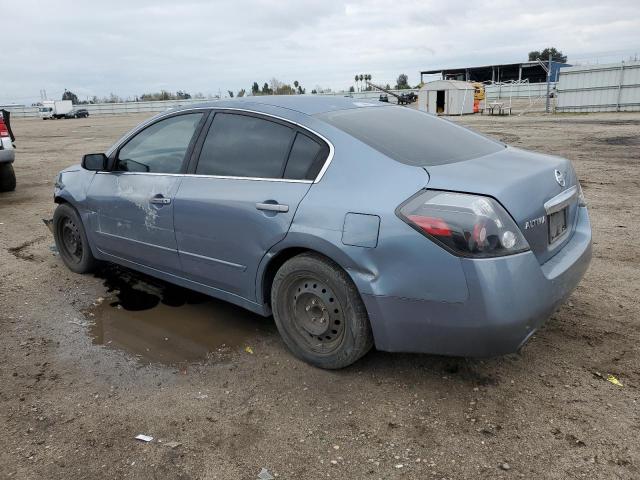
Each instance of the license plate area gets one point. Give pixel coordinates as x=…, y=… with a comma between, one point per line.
x=557, y=222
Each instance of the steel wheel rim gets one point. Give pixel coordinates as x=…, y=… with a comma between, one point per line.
x=317, y=314
x=71, y=240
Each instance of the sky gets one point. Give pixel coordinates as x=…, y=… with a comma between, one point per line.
x=137, y=46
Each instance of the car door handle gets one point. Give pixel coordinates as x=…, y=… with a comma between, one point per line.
x=272, y=207
x=160, y=200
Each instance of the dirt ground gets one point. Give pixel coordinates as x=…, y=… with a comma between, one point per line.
x=89, y=362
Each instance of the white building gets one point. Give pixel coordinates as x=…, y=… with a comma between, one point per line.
x=446, y=97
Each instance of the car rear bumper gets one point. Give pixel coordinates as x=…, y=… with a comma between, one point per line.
x=7, y=155
x=509, y=299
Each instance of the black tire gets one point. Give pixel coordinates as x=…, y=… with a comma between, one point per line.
x=7, y=177
x=71, y=240
x=319, y=312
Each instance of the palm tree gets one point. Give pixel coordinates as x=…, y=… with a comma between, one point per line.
x=295, y=84
x=357, y=78
x=367, y=77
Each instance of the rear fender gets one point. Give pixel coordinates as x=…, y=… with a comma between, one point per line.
x=325, y=243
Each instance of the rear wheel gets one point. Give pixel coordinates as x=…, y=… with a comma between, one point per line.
x=319, y=312
x=7, y=177
x=71, y=240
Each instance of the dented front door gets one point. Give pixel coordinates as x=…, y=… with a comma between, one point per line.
x=134, y=217
x=132, y=203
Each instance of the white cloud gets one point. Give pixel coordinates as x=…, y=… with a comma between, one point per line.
x=132, y=47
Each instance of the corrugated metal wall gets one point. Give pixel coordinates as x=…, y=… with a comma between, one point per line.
x=498, y=91
x=613, y=87
x=113, y=108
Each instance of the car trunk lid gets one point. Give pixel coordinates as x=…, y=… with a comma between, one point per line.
x=528, y=185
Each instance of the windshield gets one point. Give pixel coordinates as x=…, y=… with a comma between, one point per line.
x=410, y=136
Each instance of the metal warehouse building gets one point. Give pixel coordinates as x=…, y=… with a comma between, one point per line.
x=531, y=71
x=613, y=87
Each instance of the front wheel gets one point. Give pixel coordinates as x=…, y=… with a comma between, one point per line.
x=319, y=312
x=7, y=177
x=71, y=240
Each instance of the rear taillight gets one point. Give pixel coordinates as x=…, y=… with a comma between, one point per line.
x=4, y=131
x=466, y=225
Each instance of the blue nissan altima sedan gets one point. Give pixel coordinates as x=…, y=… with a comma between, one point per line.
x=354, y=224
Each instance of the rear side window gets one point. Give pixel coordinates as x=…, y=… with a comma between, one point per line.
x=411, y=137
x=244, y=146
x=306, y=158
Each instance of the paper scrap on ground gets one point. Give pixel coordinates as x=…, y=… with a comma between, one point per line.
x=614, y=380
x=248, y=350
x=265, y=475
x=144, y=438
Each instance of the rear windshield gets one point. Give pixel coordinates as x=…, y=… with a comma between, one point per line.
x=410, y=136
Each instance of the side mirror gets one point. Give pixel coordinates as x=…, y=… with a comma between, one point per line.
x=95, y=162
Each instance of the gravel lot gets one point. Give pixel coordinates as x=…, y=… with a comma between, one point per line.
x=80, y=378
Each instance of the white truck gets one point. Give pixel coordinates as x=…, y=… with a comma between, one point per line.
x=55, y=108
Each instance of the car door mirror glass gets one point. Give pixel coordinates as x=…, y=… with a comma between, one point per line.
x=95, y=162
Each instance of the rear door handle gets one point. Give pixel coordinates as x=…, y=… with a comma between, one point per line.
x=160, y=200
x=272, y=207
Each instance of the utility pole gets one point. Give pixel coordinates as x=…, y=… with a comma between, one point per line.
x=548, y=83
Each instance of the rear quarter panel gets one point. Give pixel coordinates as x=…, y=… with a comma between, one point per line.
x=362, y=180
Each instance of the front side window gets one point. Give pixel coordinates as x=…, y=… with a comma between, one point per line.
x=244, y=146
x=160, y=148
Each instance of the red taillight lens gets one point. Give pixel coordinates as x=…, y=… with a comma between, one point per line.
x=431, y=225
x=467, y=225
x=4, y=131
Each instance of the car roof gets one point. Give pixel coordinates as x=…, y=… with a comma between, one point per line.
x=305, y=104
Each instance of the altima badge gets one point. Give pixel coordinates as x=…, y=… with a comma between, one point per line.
x=560, y=178
x=535, y=222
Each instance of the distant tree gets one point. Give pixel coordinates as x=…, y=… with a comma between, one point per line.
x=180, y=95
x=556, y=55
x=301, y=91
x=275, y=85
x=230, y=93
x=387, y=86
x=266, y=90
x=314, y=91
x=68, y=95
x=255, y=88
x=112, y=98
x=198, y=95
x=402, y=82
x=351, y=89
x=296, y=84
x=241, y=93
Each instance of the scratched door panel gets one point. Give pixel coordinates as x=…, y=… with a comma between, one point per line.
x=135, y=217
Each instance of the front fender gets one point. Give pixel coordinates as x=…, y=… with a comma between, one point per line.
x=72, y=185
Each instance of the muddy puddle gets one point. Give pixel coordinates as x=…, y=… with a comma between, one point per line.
x=161, y=323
